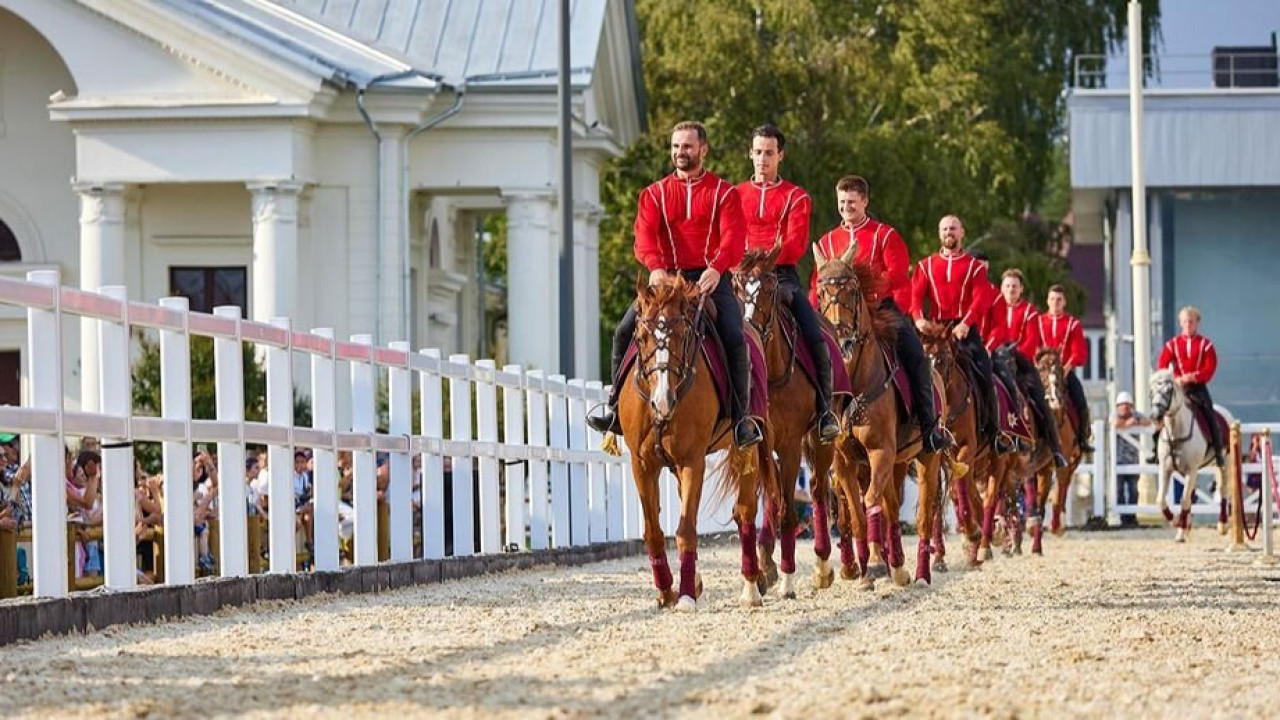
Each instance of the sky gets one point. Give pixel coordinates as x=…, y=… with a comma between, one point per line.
x=1194, y=28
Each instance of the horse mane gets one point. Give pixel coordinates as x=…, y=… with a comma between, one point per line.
x=872, y=284
x=756, y=257
x=1021, y=364
x=1047, y=352
x=1162, y=376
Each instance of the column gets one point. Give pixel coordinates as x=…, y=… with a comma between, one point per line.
x=586, y=279
x=533, y=276
x=275, y=249
x=101, y=263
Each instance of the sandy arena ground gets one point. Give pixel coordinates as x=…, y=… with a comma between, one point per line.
x=1108, y=624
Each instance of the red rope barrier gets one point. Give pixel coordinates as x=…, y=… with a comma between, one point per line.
x=1239, y=481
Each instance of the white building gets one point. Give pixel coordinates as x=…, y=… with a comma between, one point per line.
x=218, y=149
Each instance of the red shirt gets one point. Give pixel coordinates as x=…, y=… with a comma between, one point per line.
x=1065, y=333
x=1017, y=324
x=881, y=247
x=776, y=211
x=1190, y=355
x=956, y=287
x=690, y=224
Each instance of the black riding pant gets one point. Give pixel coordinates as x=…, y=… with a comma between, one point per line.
x=806, y=317
x=972, y=342
x=914, y=361
x=1075, y=390
x=1198, y=394
x=1030, y=382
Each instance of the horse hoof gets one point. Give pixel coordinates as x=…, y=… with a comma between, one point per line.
x=823, y=576
x=987, y=554
x=900, y=577
x=1058, y=532
x=666, y=599
x=867, y=583
x=750, y=594
x=698, y=588
x=940, y=565
x=686, y=604
x=788, y=589
x=1222, y=528
x=771, y=574
x=849, y=573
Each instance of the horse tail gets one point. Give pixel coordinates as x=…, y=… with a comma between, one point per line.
x=755, y=462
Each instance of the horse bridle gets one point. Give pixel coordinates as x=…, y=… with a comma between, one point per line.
x=763, y=327
x=681, y=365
x=830, y=294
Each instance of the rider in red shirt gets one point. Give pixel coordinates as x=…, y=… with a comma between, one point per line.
x=1058, y=329
x=880, y=246
x=1014, y=321
x=951, y=286
x=777, y=210
x=1194, y=361
x=690, y=222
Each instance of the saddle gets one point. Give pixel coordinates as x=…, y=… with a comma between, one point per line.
x=714, y=353
x=840, y=383
x=1015, y=414
x=1204, y=416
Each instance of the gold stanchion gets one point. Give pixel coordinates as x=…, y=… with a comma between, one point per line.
x=1236, y=483
x=1268, y=499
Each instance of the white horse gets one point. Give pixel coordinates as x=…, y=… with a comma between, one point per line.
x=1182, y=447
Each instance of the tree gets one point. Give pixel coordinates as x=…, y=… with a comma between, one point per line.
x=943, y=105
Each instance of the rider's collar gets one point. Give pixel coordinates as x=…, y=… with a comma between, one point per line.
x=692, y=180
x=767, y=184
x=950, y=254
x=854, y=227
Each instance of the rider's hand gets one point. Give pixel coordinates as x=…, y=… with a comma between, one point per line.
x=960, y=330
x=709, y=280
x=1182, y=379
x=657, y=277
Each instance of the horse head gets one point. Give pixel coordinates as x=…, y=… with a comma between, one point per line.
x=1166, y=396
x=939, y=345
x=667, y=338
x=1006, y=357
x=842, y=297
x=1049, y=363
x=756, y=285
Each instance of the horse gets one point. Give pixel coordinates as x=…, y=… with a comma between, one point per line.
x=971, y=455
x=792, y=408
x=671, y=417
x=1182, y=447
x=1054, y=378
x=880, y=439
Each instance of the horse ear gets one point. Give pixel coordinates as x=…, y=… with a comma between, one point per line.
x=776, y=251
x=818, y=258
x=643, y=291
x=847, y=256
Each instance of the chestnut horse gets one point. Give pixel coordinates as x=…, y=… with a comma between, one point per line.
x=1054, y=378
x=792, y=407
x=972, y=455
x=1017, y=472
x=880, y=439
x=671, y=417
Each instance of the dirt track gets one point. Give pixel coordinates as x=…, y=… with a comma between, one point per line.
x=1082, y=631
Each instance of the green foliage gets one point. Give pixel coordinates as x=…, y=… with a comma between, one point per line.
x=147, y=390
x=945, y=106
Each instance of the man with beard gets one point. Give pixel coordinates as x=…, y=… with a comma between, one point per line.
x=777, y=211
x=690, y=223
x=955, y=287
x=881, y=247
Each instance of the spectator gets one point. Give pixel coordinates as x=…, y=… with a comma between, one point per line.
x=253, y=490
x=86, y=485
x=1127, y=454
x=302, y=495
x=204, y=473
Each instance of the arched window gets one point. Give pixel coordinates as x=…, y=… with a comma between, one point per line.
x=9, y=249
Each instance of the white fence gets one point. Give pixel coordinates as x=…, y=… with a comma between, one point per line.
x=541, y=483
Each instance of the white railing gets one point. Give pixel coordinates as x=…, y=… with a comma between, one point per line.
x=1207, y=499
x=540, y=483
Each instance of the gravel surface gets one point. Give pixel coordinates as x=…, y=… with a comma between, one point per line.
x=1110, y=624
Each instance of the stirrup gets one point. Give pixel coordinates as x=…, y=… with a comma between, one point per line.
x=1086, y=446
x=938, y=439
x=1003, y=444
x=746, y=432
x=1060, y=460
x=605, y=423
x=828, y=427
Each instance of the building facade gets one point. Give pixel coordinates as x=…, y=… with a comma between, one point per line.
x=324, y=161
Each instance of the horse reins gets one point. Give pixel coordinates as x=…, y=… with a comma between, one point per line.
x=685, y=371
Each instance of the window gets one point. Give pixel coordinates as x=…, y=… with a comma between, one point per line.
x=9, y=249
x=209, y=287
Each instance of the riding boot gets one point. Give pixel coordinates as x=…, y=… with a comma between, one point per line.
x=1086, y=430
x=607, y=420
x=1003, y=445
x=745, y=430
x=1215, y=437
x=828, y=423
x=911, y=355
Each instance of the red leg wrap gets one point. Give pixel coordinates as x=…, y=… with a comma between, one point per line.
x=661, y=571
x=688, y=574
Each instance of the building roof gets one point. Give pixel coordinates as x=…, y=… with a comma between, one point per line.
x=511, y=43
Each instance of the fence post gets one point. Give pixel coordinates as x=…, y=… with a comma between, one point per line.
x=1268, y=499
x=280, y=509
x=487, y=432
x=48, y=490
x=514, y=473
x=1103, y=486
x=432, y=463
x=598, y=484
x=464, y=535
x=364, y=481
x=400, y=489
x=115, y=390
x=558, y=407
x=579, y=494
x=539, y=522
x=324, y=416
x=175, y=389
x=633, y=513
x=233, y=505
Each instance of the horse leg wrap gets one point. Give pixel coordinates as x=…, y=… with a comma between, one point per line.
x=988, y=522
x=875, y=525
x=689, y=574
x=897, y=556
x=821, y=530
x=939, y=542
x=788, y=564
x=847, y=558
x=1222, y=510
x=864, y=555
x=1168, y=514
x=766, y=528
x=661, y=571
x=1055, y=524
x=1037, y=532
x=922, y=561
x=747, y=540
x=1184, y=517
x=963, y=511
x=1029, y=497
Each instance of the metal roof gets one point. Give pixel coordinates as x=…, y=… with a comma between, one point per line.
x=481, y=42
